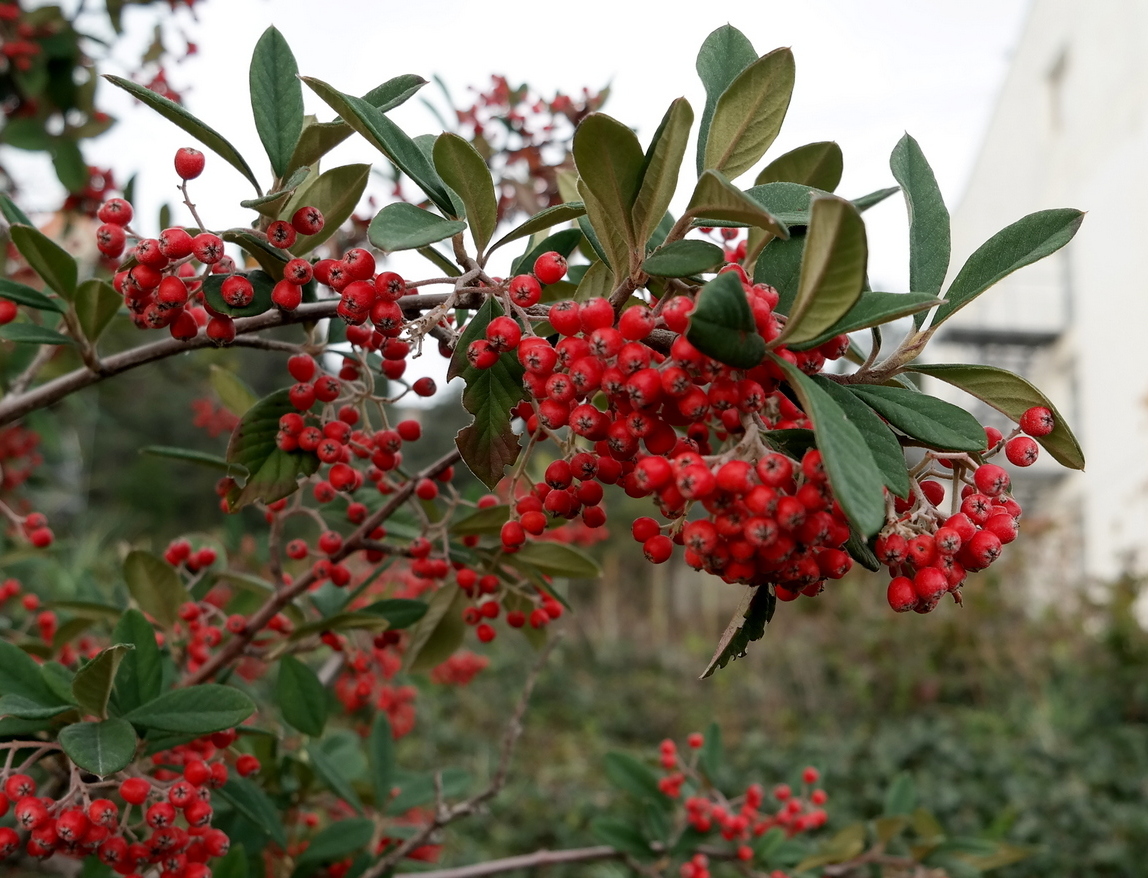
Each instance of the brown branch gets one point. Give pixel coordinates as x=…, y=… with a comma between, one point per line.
x=528, y=861
x=235, y=647
x=445, y=814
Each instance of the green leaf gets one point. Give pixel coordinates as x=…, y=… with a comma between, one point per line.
x=173, y=112
x=12, y=212
x=489, y=444
x=853, y=474
x=563, y=242
x=233, y=864
x=271, y=259
x=747, y=625
x=622, y=837
x=660, y=169
x=402, y=226
x=101, y=748
x=248, y=799
x=932, y=421
x=832, y=270
x=381, y=754
x=928, y=218
x=725, y=53
x=779, y=265
x=25, y=295
x=200, y=457
x=791, y=203
x=557, y=559
x=155, y=586
x=749, y=113
x=339, y=622
x=26, y=708
x=29, y=333
x=388, y=138
x=710, y=757
x=261, y=282
x=465, y=171
x=328, y=771
x=92, y=685
x=276, y=98
x=844, y=845
x=69, y=164
x=336, y=193
x=632, y=776
x=715, y=198
x=816, y=164
x=140, y=675
x=873, y=309
x=1028, y=239
x=605, y=236
x=541, y=221
x=301, y=698
x=319, y=138
x=274, y=473
x=886, y=449
x=610, y=164
x=597, y=283
x=96, y=304
x=419, y=789
x=683, y=258
x=59, y=678
x=270, y=204
x=20, y=675
x=194, y=710
x=237, y=397
x=439, y=633
x=901, y=797
x=399, y=612
x=722, y=326
x=482, y=521
x=48, y=259
x=1012, y=396
x=335, y=842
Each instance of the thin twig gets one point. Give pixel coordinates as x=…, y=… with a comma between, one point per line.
x=535, y=860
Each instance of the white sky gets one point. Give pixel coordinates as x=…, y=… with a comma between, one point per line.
x=866, y=73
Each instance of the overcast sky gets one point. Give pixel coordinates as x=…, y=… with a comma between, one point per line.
x=866, y=73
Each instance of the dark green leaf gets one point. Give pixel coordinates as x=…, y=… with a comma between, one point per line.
x=790, y=203
x=332, y=776
x=140, y=675
x=886, y=449
x=25, y=295
x=271, y=259
x=96, y=304
x=747, y=625
x=928, y=218
x=20, y=675
x=901, y=797
x=563, y=241
x=710, y=757
x=932, y=421
x=558, y=559
x=725, y=53
x=632, y=776
x=339, y=622
x=622, y=837
x=195, y=710
x=102, y=748
x=276, y=98
x=261, y=281
x=402, y=226
x=336, y=193
x=399, y=612
x=816, y=164
x=59, y=678
x=465, y=171
x=1012, y=396
x=381, y=755
x=541, y=221
x=270, y=204
x=92, y=685
x=388, y=138
x=832, y=270
x=318, y=138
x=69, y=164
x=683, y=258
x=274, y=473
x=29, y=333
x=155, y=586
x=489, y=444
x=1028, y=239
x=439, y=633
x=301, y=697
x=200, y=457
x=47, y=258
x=12, y=212
x=610, y=163
x=336, y=842
x=722, y=326
x=853, y=474
x=844, y=845
x=606, y=238
x=173, y=112
x=716, y=199
x=248, y=799
x=419, y=789
x=749, y=113
x=779, y=265
x=233, y=864
x=873, y=309
x=233, y=392
x=482, y=521
x=660, y=169
x=26, y=708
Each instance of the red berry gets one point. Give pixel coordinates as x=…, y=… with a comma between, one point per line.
x=247, y=765
x=1037, y=421
x=135, y=790
x=550, y=267
x=1022, y=451
x=901, y=595
x=115, y=211
x=524, y=290
x=281, y=234
x=307, y=220
x=221, y=329
x=237, y=291
x=189, y=162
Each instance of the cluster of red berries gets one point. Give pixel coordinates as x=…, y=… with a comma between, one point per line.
x=172, y=831
x=738, y=821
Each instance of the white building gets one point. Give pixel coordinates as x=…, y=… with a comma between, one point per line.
x=1070, y=129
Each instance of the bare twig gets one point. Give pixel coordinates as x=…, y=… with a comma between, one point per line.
x=534, y=860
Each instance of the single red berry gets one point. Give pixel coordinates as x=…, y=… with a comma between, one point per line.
x=247, y=765
x=307, y=220
x=135, y=790
x=1022, y=451
x=550, y=267
x=221, y=329
x=901, y=595
x=18, y=786
x=115, y=211
x=1037, y=421
x=207, y=248
x=524, y=290
x=281, y=234
x=286, y=296
x=237, y=291
x=189, y=162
